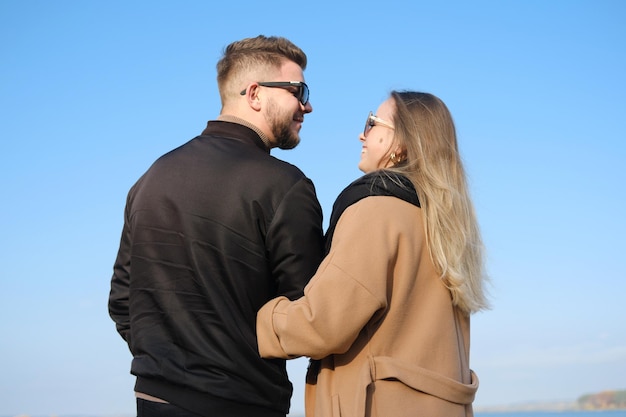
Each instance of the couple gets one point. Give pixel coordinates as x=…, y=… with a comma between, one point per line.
x=212, y=286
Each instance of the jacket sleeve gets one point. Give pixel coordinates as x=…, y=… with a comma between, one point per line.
x=120, y=284
x=295, y=239
x=347, y=290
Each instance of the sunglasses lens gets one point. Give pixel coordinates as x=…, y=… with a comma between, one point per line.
x=368, y=124
x=304, y=94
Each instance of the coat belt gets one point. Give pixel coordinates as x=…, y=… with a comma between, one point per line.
x=425, y=380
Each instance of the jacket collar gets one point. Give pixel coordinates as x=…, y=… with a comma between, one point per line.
x=234, y=127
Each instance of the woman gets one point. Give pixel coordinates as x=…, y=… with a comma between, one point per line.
x=387, y=312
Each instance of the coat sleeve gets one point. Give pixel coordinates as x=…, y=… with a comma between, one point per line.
x=120, y=284
x=295, y=239
x=348, y=289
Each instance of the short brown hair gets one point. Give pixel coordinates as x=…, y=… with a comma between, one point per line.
x=253, y=55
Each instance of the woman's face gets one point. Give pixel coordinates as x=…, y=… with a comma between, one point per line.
x=377, y=139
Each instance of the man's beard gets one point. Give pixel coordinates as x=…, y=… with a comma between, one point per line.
x=285, y=137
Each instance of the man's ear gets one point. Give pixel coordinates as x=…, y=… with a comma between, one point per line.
x=252, y=95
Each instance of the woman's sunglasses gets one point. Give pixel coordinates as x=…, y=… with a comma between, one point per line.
x=372, y=121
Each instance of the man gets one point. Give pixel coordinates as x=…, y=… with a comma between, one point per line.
x=213, y=230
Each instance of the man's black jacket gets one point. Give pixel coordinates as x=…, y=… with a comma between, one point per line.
x=213, y=230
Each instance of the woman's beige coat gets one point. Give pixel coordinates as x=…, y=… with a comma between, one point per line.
x=380, y=319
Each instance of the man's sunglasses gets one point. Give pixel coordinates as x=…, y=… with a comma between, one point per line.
x=302, y=92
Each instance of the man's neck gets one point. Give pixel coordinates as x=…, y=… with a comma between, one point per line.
x=239, y=120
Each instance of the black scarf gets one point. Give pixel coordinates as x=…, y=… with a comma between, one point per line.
x=379, y=183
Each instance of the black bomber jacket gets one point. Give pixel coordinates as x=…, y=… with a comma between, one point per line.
x=212, y=231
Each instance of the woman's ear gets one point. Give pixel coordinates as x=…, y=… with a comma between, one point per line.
x=400, y=154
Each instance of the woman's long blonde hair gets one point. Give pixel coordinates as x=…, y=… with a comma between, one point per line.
x=424, y=127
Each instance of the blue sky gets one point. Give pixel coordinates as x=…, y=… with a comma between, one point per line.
x=92, y=92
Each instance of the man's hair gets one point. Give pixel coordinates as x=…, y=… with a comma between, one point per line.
x=253, y=57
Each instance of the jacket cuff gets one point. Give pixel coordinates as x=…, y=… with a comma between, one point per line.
x=268, y=341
